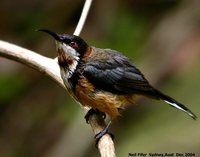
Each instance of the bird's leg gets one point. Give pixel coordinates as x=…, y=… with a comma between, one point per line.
x=94, y=111
x=105, y=130
x=102, y=133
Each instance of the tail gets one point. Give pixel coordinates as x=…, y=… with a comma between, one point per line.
x=175, y=104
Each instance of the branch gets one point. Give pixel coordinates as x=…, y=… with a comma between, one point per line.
x=50, y=67
x=83, y=17
x=32, y=59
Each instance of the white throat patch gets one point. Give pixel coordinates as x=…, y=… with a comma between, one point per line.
x=70, y=51
x=67, y=73
x=67, y=49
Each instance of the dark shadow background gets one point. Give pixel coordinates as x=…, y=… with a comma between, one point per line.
x=162, y=37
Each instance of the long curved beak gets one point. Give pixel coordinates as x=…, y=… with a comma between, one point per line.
x=54, y=35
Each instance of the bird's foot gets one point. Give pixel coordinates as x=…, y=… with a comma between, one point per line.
x=102, y=133
x=94, y=111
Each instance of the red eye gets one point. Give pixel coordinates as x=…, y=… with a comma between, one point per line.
x=73, y=44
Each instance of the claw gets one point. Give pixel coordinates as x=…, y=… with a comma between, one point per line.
x=93, y=111
x=88, y=114
x=103, y=115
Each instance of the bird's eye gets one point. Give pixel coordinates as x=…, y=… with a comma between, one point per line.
x=73, y=44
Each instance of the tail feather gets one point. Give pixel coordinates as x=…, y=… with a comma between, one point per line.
x=172, y=102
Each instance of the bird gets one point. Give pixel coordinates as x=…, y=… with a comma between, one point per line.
x=103, y=79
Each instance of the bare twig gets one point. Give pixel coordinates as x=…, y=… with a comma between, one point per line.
x=83, y=17
x=43, y=64
x=50, y=68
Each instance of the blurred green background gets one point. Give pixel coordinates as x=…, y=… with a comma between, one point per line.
x=162, y=37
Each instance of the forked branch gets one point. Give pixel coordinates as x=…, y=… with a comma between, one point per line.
x=50, y=67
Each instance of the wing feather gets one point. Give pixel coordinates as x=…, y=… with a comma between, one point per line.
x=115, y=73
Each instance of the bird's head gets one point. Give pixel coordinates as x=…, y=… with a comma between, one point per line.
x=69, y=47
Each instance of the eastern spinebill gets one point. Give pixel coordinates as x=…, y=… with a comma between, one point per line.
x=103, y=79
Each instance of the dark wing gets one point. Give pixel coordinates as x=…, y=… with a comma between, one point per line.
x=116, y=74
